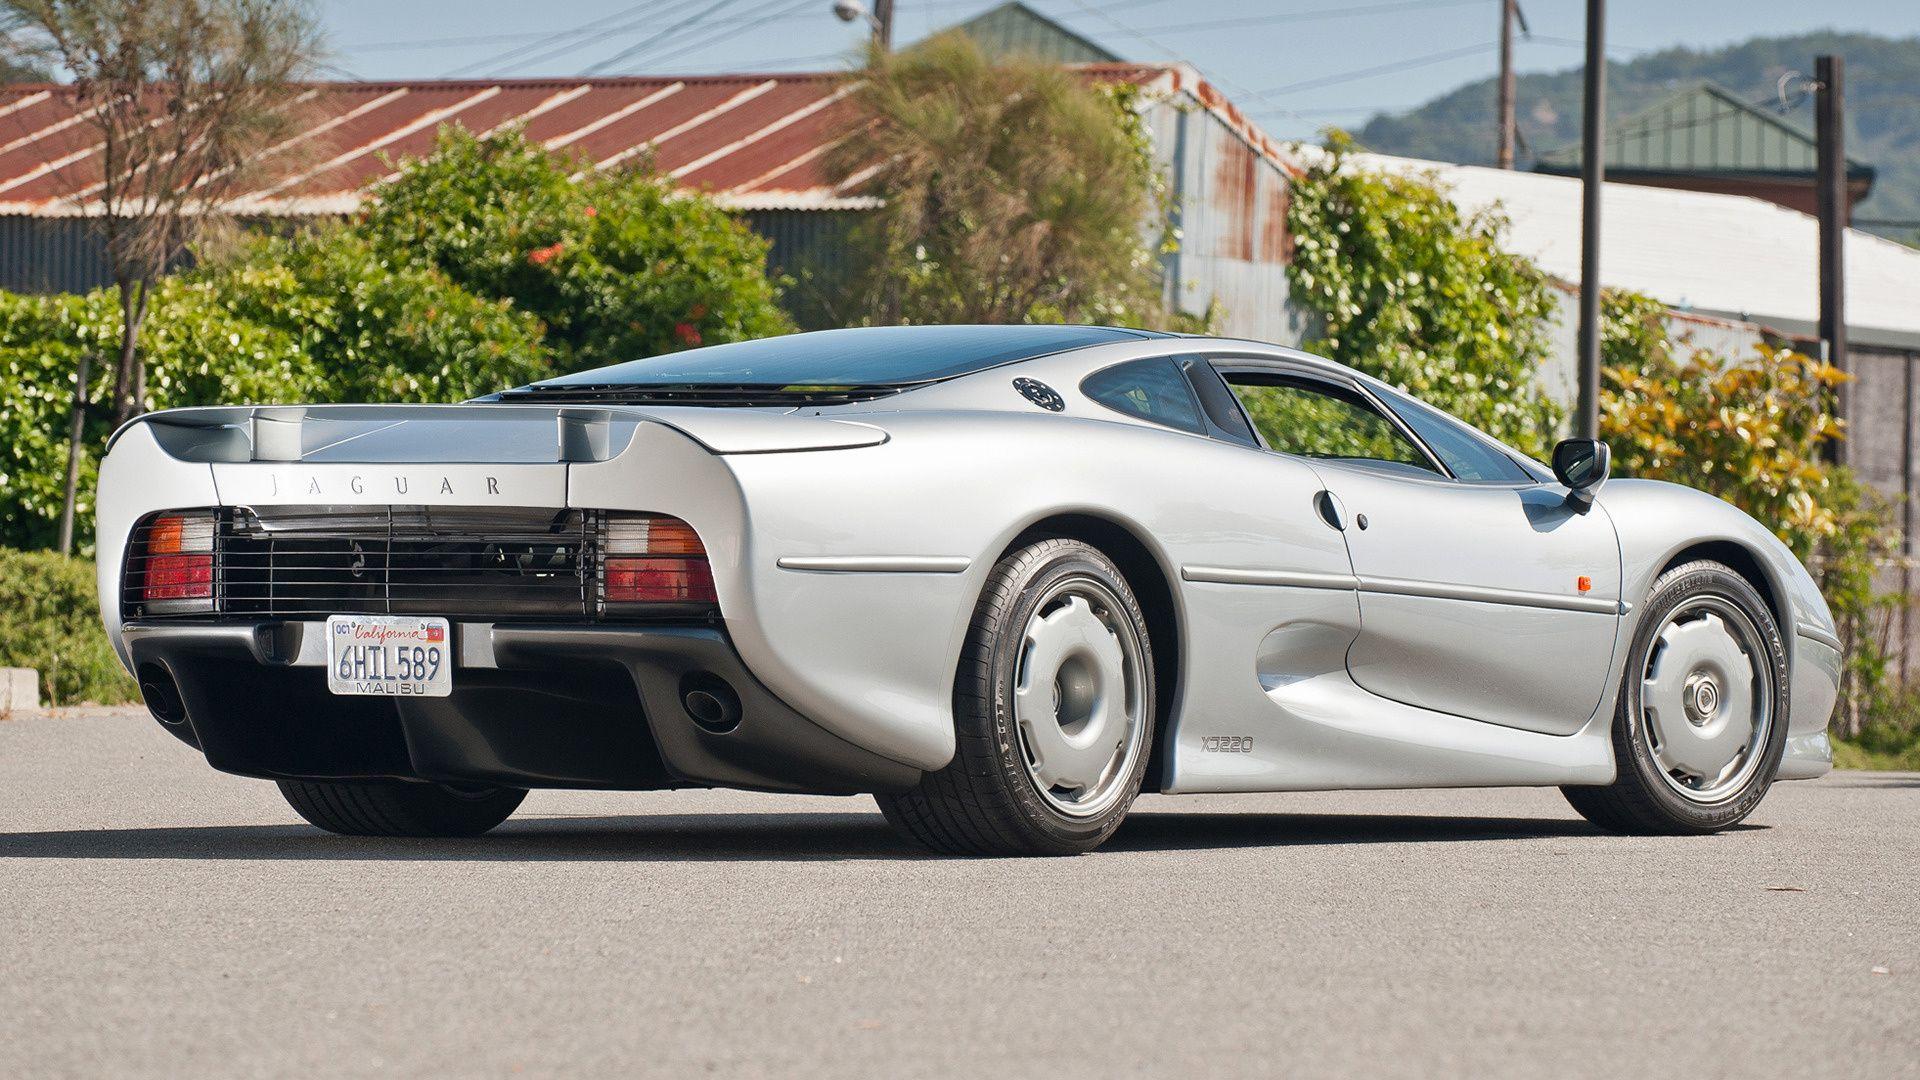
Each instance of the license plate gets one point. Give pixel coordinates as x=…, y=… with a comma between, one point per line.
x=389, y=656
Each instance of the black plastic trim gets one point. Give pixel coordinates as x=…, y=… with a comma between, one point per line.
x=568, y=707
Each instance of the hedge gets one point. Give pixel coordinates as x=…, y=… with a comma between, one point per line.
x=50, y=621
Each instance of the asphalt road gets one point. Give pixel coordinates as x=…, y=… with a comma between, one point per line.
x=159, y=919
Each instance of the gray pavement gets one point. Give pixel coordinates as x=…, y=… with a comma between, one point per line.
x=160, y=919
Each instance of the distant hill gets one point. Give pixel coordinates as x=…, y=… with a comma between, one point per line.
x=1883, y=107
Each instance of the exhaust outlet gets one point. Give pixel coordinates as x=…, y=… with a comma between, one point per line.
x=162, y=695
x=710, y=702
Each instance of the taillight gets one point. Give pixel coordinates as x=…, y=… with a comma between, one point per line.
x=654, y=559
x=176, y=561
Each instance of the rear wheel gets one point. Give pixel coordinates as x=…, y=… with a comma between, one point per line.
x=1053, y=711
x=1702, y=718
x=400, y=808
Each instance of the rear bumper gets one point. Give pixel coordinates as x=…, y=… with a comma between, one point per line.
x=533, y=706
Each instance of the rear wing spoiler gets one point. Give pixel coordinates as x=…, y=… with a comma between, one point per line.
x=477, y=432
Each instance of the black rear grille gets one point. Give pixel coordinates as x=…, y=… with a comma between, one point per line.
x=736, y=397
x=460, y=562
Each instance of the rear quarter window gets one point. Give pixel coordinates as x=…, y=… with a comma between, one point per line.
x=1154, y=390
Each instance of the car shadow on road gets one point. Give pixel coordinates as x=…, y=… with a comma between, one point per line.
x=754, y=836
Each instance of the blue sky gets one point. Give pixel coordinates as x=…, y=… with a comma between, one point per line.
x=1297, y=65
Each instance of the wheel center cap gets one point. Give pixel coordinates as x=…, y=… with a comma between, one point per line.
x=1702, y=698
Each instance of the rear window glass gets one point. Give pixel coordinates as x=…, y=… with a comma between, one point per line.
x=858, y=356
x=1149, y=389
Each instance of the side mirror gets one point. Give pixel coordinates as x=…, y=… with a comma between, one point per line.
x=1581, y=464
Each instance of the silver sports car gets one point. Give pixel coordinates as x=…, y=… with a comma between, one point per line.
x=1002, y=577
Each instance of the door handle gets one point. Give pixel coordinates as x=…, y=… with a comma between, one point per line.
x=1330, y=509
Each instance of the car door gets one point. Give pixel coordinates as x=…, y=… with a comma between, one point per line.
x=1482, y=592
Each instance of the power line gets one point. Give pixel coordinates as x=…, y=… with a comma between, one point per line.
x=1382, y=69
x=783, y=13
x=573, y=35
x=543, y=36
x=776, y=64
x=638, y=52
x=712, y=9
x=1316, y=15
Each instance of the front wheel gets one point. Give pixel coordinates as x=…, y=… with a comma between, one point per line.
x=1702, y=717
x=1053, y=712
x=400, y=808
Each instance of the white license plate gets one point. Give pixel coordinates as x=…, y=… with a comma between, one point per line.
x=389, y=656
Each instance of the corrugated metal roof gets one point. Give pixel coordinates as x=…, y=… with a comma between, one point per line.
x=1725, y=255
x=755, y=141
x=1704, y=129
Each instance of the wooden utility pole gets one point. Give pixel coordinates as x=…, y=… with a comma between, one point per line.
x=1593, y=175
x=1508, y=9
x=883, y=24
x=1830, y=136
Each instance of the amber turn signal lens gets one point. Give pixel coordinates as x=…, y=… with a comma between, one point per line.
x=174, y=534
x=671, y=536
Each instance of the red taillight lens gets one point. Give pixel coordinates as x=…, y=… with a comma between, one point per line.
x=654, y=559
x=178, y=577
x=659, y=581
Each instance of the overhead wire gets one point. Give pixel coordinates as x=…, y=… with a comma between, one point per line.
x=1380, y=69
x=768, y=12
x=573, y=36
x=646, y=43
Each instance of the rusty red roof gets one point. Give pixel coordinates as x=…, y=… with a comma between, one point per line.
x=755, y=141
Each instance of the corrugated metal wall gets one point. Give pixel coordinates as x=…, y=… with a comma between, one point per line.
x=1230, y=205
x=1884, y=447
x=50, y=254
x=811, y=247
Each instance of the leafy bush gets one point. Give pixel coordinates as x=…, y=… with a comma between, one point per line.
x=1890, y=736
x=618, y=264
x=198, y=352
x=1014, y=191
x=1415, y=293
x=370, y=328
x=50, y=621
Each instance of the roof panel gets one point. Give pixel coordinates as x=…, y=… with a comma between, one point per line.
x=1691, y=250
x=754, y=141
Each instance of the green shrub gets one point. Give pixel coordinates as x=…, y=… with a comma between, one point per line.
x=50, y=621
x=1756, y=432
x=198, y=353
x=1890, y=736
x=318, y=317
x=618, y=264
x=1415, y=293
x=370, y=328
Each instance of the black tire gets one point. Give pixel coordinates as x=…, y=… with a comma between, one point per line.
x=399, y=808
x=985, y=801
x=1640, y=800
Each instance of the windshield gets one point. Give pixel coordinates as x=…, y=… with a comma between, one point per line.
x=859, y=356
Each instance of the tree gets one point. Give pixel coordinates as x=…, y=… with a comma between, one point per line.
x=183, y=96
x=1411, y=291
x=618, y=264
x=1012, y=192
